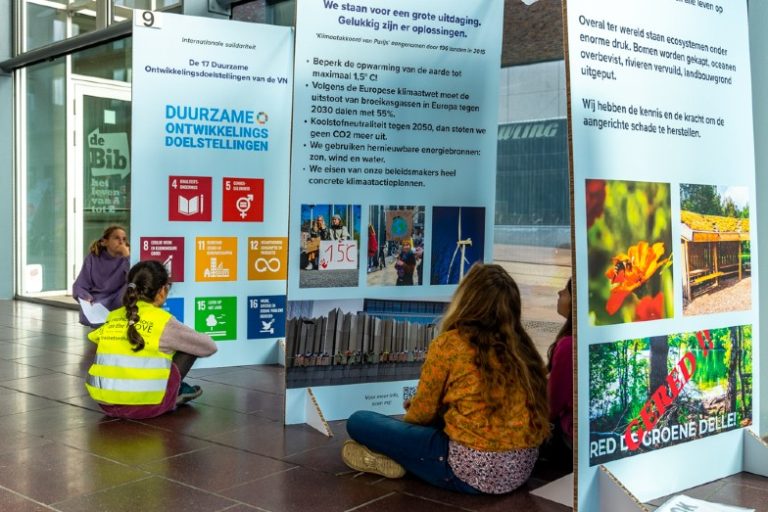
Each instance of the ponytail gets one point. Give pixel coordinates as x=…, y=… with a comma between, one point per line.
x=145, y=279
x=130, y=300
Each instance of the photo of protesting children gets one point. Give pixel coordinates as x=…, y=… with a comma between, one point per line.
x=329, y=245
x=396, y=235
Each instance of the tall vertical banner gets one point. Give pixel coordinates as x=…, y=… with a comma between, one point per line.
x=392, y=189
x=212, y=125
x=666, y=259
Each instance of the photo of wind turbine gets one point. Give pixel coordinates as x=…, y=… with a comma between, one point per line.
x=458, y=239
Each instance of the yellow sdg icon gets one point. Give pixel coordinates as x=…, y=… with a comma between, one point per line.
x=262, y=118
x=266, y=258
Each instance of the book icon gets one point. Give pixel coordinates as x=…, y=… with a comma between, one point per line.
x=191, y=206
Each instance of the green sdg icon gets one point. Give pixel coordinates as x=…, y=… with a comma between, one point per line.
x=399, y=227
x=216, y=317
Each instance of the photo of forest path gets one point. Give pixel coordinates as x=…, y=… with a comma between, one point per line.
x=650, y=393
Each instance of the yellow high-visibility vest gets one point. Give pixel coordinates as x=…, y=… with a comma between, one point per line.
x=120, y=376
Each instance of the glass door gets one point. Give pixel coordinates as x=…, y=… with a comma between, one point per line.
x=102, y=164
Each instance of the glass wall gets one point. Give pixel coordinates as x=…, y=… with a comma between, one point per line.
x=43, y=22
x=45, y=176
x=111, y=61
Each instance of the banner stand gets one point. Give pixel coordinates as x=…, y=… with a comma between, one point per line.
x=314, y=415
x=755, y=459
x=560, y=491
x=614, y=496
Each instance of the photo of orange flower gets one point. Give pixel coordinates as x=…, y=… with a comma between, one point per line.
x=629, y=241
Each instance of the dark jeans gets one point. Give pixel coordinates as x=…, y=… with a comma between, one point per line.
x=421, y=450
x=184, y=362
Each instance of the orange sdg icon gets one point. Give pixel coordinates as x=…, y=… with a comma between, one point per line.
x=216, y=259
x=267, y=258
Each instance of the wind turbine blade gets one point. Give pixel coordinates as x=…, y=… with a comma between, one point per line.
x=459, y=239
x=450, y=266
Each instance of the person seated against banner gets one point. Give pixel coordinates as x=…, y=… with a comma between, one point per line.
x=405, y=264
x=480, y=410
x=338, y=230
x=102, y=276
x=143, y=353
x=558, y=450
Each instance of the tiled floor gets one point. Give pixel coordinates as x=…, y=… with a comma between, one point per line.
x=227, y=452
x=745, y=490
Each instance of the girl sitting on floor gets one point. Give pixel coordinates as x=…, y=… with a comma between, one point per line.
x=144, y=353
x=480, y=410
x=102, y=276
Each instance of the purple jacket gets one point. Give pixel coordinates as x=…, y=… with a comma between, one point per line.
x=102, y=279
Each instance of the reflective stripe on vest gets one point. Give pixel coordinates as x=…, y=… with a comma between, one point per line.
x=127, y=384
x=133, y=361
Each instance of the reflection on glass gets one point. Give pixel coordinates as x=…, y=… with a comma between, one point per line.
x=121, y=9
x=45, y=25
x=82, y=22
x=46, y=156
x=107, y=166
x=111, y=61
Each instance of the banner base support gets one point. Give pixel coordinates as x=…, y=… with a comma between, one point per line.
x=755, y=454
x=614, y=497
x=560, y=491
x=314, y=415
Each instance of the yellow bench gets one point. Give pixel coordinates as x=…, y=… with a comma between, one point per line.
x=713, y=275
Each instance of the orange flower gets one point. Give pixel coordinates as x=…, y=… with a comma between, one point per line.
x=631, y=270
x=650, y=308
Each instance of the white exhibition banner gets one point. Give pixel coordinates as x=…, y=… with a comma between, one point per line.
x=394, y=154
x=211, y=148
x=666, y=258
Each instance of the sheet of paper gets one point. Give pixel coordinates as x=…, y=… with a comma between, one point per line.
x=683, y=502
x=95, y=313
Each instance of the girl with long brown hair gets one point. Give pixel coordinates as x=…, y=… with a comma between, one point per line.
x=480, y=410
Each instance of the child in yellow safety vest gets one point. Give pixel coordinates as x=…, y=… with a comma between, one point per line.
x=144, y=353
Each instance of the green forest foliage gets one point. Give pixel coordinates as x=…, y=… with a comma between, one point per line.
x=619, y=378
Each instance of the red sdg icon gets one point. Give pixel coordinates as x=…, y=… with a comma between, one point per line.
x=189, y=198
x=243, y=200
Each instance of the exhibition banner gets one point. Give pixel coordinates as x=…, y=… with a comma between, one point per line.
x=212, y=125
x=392, y=187
x=663, y=197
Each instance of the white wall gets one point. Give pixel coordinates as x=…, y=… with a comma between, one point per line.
x=758, y=41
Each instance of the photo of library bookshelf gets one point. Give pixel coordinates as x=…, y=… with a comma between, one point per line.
x=380, y=341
